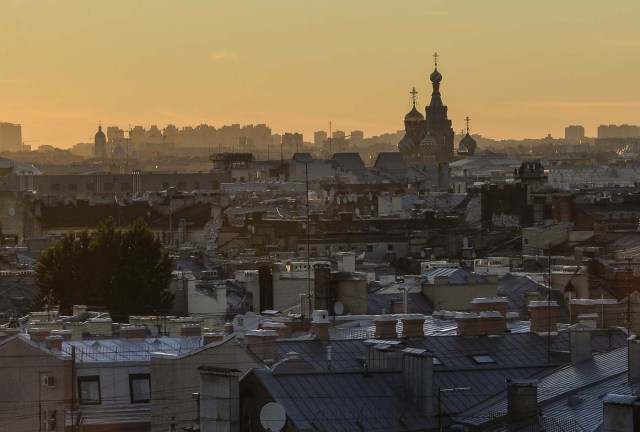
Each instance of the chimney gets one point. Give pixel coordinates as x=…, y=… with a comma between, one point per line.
x=278, y=327
x=39, y=335
x=531, y=296
x=228, y=328
x=580, y=345
x=412, y=326
x=219, y=399
x=65, y=334
x=522, y=400
x=381, y=356
x=589, y=320
x=133, y=332
x=8, y=332
x=482, y=304
x=634, y=359
x=417, y=379
x=581, y=306
x=320, y=325
x=54, y=342
x=263, y=343
x=78, y=309
x=190, y=330
x=492, y=323
x=543, y=317
x=468, y=324
x=385, y=326
x=208, y=338
x=619, y=413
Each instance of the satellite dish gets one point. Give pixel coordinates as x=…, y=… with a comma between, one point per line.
x=273, y=417
x=338, y=308
x=153, y=330
x=423, y=254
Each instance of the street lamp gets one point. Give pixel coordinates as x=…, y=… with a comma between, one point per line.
x=446, y=390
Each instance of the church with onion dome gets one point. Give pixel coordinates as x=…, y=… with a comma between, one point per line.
x=429, y=137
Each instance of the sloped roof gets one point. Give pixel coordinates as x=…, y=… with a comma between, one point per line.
x=349, y=162
x=390, y=161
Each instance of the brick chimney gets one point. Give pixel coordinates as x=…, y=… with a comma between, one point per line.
x=228, y=328
x=263, y=343
x=589, y=320
x=189, y=330
x=278, y=327
x=133, y=332
x=320, y=325
x=522, y=400
x=39, y=335
x=412, y=326
x=531, y=296
x=386, y=326
x=492, y=323
x=208, y=338
x=54, y=342
x=481, y=304
x=65, y=334
x=543, y=317
x=581, y=306
x=468, y=324
x=78, y=309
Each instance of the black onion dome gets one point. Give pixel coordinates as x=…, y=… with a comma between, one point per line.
x=414, y=115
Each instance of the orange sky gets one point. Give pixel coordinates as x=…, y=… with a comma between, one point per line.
x=518, y=69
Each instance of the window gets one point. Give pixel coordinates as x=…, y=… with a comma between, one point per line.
x=139, y=388
x=482, y=359
x=89, y=390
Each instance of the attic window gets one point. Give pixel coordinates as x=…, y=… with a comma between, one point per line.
x=482, y=359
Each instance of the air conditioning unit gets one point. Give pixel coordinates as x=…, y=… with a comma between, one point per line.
x=48, y=381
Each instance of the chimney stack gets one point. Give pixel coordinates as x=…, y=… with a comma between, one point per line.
x=39, y=335
x=412, y=326
x=189, y=330
x=386, y=326
x=619, y=413
x=208, y=338
x=482, y=304
x=65, y=334
x=543, y=317
x=492, y=323
x=133, y=332
x=263, y=343
x=228, y=328
x=581, y=306
x=468, y=324
x=320, y=325
x=522, y=400
x=634, y=360
x=219, y=399
x=54, y=342
x=580, y=345
x=417, y=379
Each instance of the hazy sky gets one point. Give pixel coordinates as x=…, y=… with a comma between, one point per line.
x=517, y=68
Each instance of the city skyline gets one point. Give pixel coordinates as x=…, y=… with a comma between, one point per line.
x=518, y=71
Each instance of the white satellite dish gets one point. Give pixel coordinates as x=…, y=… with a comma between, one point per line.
x=153, y=330
x=273, y=417
x=338, y=308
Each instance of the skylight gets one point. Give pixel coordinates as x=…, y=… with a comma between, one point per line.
x=482, y=359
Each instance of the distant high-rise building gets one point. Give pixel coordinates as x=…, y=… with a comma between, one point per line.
x=618, y=131
x=10, y=137
x=319, y=138
x=115, y=134
x=356, y=138
x=336, y=135
x=574, y=133
x=292, y=141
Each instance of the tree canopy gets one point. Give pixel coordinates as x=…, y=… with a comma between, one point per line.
x=127, y=271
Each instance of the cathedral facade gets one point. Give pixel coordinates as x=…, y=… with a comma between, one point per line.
x=429, y=137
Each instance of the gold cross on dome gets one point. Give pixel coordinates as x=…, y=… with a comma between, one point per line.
x=435, y=59
x=413, y=94
x=467, y=120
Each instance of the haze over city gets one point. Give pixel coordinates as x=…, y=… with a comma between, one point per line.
x=523, y=69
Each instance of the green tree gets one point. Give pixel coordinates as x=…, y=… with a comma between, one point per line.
x=126, y=271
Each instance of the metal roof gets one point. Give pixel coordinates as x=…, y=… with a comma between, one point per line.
x=129, y=350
